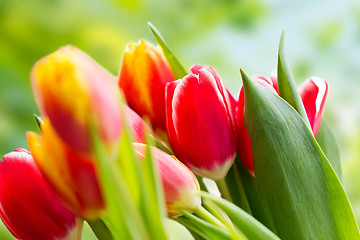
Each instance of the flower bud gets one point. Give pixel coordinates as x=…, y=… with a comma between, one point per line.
x=313, y=94
x=29, y=209
x=200, y=122
x=74, y=92
x=181, y=188
x=244, y=144
x=144, y=73
x=70, y=174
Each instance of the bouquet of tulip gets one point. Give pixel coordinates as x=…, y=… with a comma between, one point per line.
x=159, y=146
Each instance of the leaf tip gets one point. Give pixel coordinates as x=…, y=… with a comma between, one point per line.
x=246, y=80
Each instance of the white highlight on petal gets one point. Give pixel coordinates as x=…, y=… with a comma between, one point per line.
x=321, y=84
x=22, y=156
x=218, y=172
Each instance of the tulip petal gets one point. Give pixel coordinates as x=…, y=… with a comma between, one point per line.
x=313, y=94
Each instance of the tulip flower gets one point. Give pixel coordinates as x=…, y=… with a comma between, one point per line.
x=200, y=122
x=74, y=92
x=70, y=174
x=144, y=73
x=29, y=209
x=181, y=188
x=313, y=94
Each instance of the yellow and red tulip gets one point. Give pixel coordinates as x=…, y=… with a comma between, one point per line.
x=181, y=188
x=70, y=174
x=73, y=91
x=313, y=94
x=29, y=209
x=144, y=73
x=75, y=94
x=200, y=122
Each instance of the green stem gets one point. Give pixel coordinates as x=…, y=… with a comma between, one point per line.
x=207, y=216
x=201, y=212
x=236, y=187
x=100, y=229
x=201, y=183
x=223, y=188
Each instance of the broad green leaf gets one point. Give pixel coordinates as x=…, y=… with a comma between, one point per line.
x=287, y=87
x=178, y=70
x=327, y=142
x=248, y=225
x=296, y=183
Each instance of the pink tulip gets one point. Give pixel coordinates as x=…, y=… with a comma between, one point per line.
x=181, y=188
x=29, y=209
x=200, y=122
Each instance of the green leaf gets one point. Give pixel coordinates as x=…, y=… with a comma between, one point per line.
x=39, y=121
x=236, y=189
x=177, y=231
x=100, y=229
x=121, y=211
x=252, y=194
x=328, y=144
x=287, y=87
x=129, y=167
x=197, y=232
x=248, y=225
x=153, y=197
x=178, y=70
x=209, y=229
x=296, y=183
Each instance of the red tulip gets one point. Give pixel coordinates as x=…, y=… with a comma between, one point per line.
x=313, y=94
x=181, y=188
x=144, y=73
x=200, y=122
x=29, y=209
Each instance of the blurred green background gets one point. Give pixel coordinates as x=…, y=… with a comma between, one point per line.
x=322, y=39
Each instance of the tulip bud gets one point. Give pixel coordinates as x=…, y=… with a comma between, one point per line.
x=29, y=209
x=313, y=94
x=144, y=73
x=200, y=123
x=181, y=188
x=70, y=174
x=74, y=92
x=244, y=144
